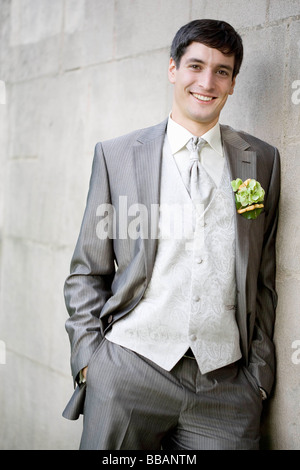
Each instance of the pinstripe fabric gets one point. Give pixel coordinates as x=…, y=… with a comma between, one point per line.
x=183, y=411
x=130, y=166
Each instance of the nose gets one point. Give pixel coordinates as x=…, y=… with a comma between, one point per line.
x=207, y=80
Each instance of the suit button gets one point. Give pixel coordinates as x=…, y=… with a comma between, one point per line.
x=110, y=319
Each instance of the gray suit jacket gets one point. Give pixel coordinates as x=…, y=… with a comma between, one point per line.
x=97, y=294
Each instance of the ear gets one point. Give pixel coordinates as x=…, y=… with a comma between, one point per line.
x=232, y=87
x=172, y=70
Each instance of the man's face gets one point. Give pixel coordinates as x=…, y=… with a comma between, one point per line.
x=202, y=83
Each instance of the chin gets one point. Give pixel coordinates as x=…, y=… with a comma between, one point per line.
x=205, y=119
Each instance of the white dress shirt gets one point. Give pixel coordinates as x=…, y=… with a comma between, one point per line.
x=211, y=157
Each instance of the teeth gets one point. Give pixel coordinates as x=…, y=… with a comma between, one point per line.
x=202, y=98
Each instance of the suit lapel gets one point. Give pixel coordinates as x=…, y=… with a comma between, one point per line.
x=147, y=160
x=241, y=164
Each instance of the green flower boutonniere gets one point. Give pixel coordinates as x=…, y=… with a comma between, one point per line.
x=249, y=196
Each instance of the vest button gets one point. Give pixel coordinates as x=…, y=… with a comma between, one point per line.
x=199, y=260
x=196, y=298
x=193, y=337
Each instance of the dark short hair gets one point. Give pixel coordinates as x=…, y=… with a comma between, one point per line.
x=212, y=33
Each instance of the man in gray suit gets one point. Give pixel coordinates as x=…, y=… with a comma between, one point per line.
x=171, y=294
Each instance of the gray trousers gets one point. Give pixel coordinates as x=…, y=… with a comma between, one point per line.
x=133, y=404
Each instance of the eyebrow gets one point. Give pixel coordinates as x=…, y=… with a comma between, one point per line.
x=199, y=61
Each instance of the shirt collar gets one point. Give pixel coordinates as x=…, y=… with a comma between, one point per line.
x=179, y=136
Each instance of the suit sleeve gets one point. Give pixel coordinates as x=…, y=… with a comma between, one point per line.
x=88, y=286
x=262, y=354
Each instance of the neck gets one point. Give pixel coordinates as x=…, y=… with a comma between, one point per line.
x=194, y=127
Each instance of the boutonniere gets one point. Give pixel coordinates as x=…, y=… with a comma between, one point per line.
x=249, y=196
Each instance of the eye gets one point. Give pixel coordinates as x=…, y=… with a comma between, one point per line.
x=224, y=73
x=195, y=67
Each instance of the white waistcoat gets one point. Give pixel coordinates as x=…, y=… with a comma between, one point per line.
x=191, y=298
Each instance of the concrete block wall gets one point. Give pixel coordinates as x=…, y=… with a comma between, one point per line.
x=79, y=71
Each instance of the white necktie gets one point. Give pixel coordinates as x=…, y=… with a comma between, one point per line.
x=200, y=184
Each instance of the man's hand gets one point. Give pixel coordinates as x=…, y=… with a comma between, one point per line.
x=84, y=371
x=82, y=375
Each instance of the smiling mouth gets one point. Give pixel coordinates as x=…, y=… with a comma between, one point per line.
x=203, y=98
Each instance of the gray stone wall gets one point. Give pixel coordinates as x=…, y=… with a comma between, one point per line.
x=72, y=73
